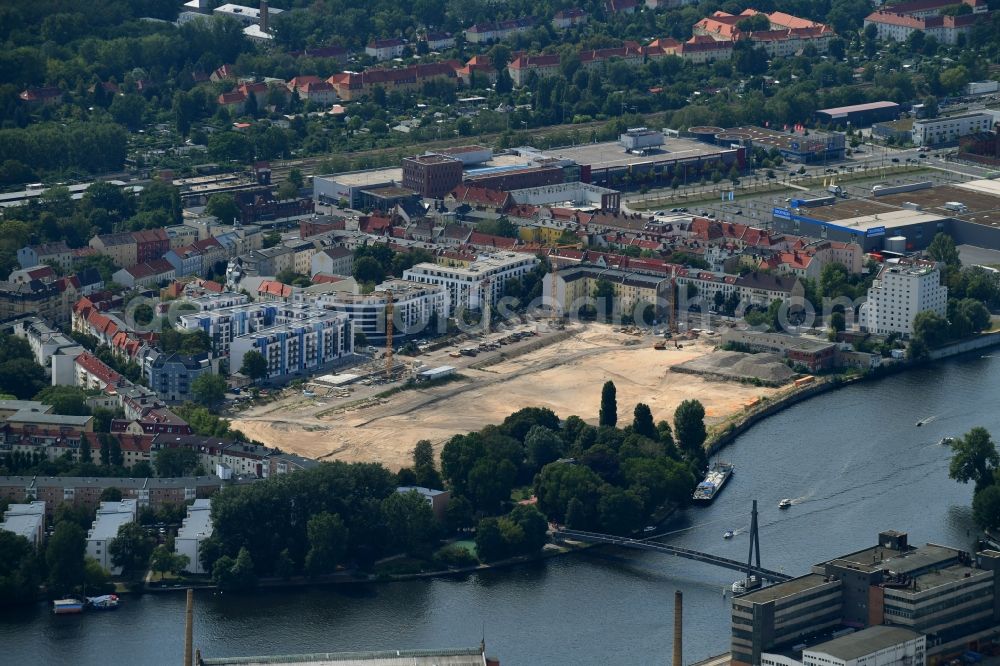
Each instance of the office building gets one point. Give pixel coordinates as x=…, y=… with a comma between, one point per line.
x=111, y=516
x=949, y=129
x=432, y=176
x=481, y=282
x=901, y=292
x=944, y=594
x=197, y=527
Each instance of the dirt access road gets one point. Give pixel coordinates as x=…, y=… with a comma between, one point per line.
x=565, y=376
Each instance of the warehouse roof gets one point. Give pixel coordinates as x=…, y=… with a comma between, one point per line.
x=864, y=642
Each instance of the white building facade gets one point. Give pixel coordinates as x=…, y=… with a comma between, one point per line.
x=899, y=294
x=934, y=131
x=110, y=517
x=197, y=527
x=479, y=284
x=414, y=304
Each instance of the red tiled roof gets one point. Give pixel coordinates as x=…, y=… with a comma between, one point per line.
x=97, y=367
x=325, y=278
x=275, y=288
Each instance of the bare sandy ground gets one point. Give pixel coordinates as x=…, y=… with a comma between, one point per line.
x=565, y=376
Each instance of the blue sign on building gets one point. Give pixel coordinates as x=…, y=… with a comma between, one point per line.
x=783, y=213
x=875, y=231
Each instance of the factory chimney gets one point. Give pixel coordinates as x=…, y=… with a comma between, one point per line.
x=678, y=628
x=263, y=16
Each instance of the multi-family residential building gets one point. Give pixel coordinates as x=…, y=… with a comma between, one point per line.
x=541, y=66
x=351, y=86
x=26, y=520
x=306, y=345
x=185, y=260
x=150, y=244
x=32, y=298
x=385, y=49
x=314, y=89
x=171, y=375
x=786, y=34
x=86, y=491
x=332, y=261
x=111, y=516
x=57, y=254
x=120, y=247
x=897, y=22
x=949, y=129
x=899, y=294
x=481, y=283
x=438, y=41
x=196, y=528
x=415, y=307
x=568, y=18
x=45, y=341
x=148, y=274
x=484, y=33
x=572, y=290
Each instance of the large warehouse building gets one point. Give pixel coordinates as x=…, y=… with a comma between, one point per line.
x=969, y=212
x=859, y=115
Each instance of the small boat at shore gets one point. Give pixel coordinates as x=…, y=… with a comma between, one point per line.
x=103, y=602
x=785, y=503
x=947, y=441
x=67, y=606
x=746, y=584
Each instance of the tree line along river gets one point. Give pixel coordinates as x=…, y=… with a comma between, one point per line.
x=852, y=459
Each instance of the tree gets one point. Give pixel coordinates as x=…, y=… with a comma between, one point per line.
x=368, y=270
x=86, y=455
x=490, y=483
x=425, y=472
x=327, y=543
x=541, y=447
x=287, y=190
x=986, y=507
x=175, y=462
x=209, y=388
x=942, y=249
x=130, y=550
x=223, y=207
x=67, y=400
x=608, y=415
x=974, y=458
x=64, y=557
x=689, y=428
x=163, y=561
x=19, y=576
x=534, y=527
x=254, y=365
x=930, y=328
x=111, y=494
x=604, y=298
x=642, y=422
x=490, y=543
x=235, y=575
x=410, y=522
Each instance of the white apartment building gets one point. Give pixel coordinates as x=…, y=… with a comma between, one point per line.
x=197, y=527
x=26, y=520
x=110, y=517
x=300, y=345
x=899, y=294
x=882, y=645
x=414, y=305
x=934, y=131
x=482, y=282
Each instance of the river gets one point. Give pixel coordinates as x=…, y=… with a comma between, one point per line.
x=852, y=459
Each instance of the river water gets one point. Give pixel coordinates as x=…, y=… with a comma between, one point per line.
x=852, y=459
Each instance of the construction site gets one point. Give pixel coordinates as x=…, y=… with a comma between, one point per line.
x=562, y=370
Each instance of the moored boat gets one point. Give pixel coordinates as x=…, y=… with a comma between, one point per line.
x=67, y=606
x=103, y=602
x=718, y=475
